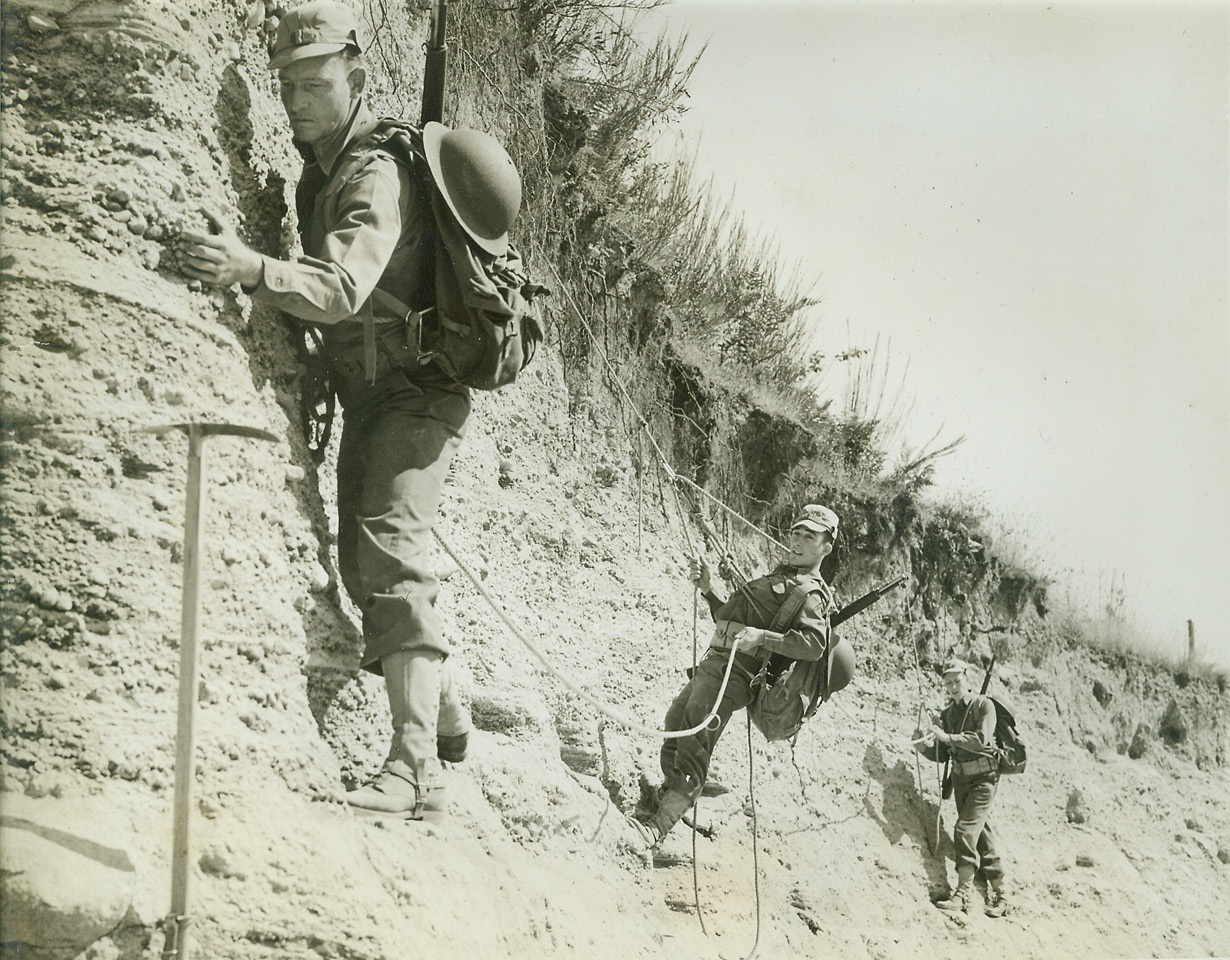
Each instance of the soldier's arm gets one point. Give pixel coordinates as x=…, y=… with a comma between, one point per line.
x=978, y=737
x=930, y=745
x=715, y=602
x=934, y=751
x=807, y=639
x=219, y=257
x=373, y=207
x=702, y=578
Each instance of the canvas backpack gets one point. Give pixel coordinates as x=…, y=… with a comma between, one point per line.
x=1009, y=747
x=787, y=697
x=480, y=329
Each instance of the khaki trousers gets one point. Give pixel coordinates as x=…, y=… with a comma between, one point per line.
x=685, y=760
x=973, y=835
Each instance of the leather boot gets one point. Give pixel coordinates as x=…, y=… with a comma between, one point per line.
x=644, y=836
x=959, y=900
x=672, y=805
x=410, y=775
x=395, y=794
x=997, y=900
x=452, y=749
x=652, y=829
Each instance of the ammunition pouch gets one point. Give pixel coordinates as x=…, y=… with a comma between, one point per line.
x=975, y=766
x=724, y=634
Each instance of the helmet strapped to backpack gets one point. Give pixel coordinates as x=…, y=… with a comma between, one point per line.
x=839, y=668
x=478, y=181
x=480, y=328
x=787, y=693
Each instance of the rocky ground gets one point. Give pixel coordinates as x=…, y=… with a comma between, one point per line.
x=1117, y=837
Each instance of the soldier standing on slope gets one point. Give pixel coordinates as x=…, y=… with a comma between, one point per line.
x=363, y=219
x=966, y=735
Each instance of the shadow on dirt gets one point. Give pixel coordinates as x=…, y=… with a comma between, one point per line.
x=334, y=643
x=904, y=813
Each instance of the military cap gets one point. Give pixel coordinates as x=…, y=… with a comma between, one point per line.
x=313, y=29
x=817, y=518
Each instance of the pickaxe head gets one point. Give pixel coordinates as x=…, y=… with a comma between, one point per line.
x=213, y=429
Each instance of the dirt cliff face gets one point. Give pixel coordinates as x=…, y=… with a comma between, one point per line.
x=1119, y=703
x=120, y=121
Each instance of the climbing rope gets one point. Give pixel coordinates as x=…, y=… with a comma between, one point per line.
x=676, y=479
x=939, y=804
x=741, y=584
x=729, y=511
x=922, y=806
x=644, y=424
x=932, y=844
x=739, y=579
x=751, y=793
x=700, y=916
x=604, y=708
x=640, y=488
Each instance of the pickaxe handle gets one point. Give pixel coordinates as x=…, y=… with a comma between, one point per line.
x=178, y=941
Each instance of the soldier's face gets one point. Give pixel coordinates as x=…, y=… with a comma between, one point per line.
x=318, y=93
x=807, y=547
x=954, y=685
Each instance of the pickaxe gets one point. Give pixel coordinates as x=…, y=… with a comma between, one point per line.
x=177, y=942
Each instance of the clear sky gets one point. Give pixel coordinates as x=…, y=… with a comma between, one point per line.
x=1028, y=202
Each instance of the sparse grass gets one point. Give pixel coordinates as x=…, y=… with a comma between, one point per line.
x=876, y=395
x=1117, y=632
x=797, y=405
x=1123, y=633
x=1094, y=607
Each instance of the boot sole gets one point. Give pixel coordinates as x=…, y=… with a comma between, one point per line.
x=427, y=816
x=434, y=810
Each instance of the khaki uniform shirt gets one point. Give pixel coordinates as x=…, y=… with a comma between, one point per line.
x=360, y=230
x=757, y=604
x=971, y=723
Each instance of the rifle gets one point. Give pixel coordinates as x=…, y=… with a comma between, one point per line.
x=862, y=603
x=986, y=681
x=436, y=67
x=317, y=398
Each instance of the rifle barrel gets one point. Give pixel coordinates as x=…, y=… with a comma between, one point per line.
x=863, y=602
x=986, y=680
x=436, y=68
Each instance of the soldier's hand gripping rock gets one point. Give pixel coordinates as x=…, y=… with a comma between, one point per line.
x=219, y=257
